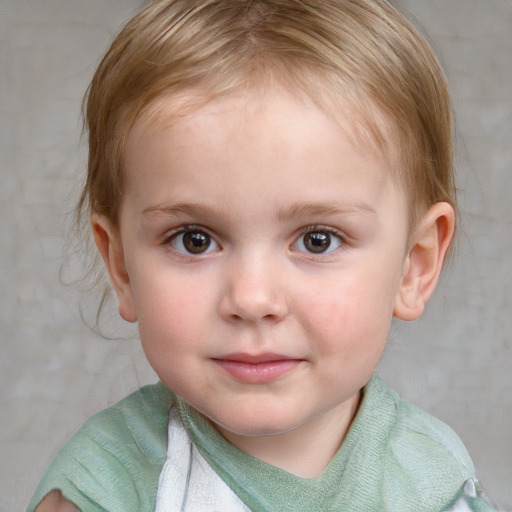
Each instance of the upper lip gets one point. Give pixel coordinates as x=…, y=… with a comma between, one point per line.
x=254, y=358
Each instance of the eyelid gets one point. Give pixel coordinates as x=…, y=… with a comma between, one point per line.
x=183, y=228
x=320, y=227
x=327, y=229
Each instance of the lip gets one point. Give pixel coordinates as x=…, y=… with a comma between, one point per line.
x=257, y=369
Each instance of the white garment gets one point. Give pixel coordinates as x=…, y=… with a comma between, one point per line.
x=187, y=482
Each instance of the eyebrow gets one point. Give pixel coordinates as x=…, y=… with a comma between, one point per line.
x=184, y=209
x=324, y=209
x=283, y=214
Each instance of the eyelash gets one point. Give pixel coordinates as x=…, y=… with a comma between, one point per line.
x=196, y=229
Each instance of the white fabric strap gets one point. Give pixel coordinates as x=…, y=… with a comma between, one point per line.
x=187, y=482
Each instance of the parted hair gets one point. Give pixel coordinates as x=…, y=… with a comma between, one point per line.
x=364, y=53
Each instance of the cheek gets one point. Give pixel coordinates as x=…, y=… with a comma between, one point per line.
x=172, y=316
x=348, y=316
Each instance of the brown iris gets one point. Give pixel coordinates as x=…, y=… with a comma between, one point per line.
x=317, y=242
x=196, y=242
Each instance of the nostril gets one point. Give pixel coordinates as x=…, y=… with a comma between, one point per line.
x=251, y=307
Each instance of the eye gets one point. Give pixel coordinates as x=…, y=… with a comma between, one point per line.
x=318, y=241
x=194, y=241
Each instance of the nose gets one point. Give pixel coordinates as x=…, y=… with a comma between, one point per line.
x=253, y=291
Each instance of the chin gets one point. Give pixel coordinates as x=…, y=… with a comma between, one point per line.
x=256, y=428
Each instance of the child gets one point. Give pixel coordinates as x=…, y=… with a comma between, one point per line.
x=270, y=182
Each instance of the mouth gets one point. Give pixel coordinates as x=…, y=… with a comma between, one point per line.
x=257, y=369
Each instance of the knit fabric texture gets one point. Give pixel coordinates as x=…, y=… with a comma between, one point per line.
x=395, y=457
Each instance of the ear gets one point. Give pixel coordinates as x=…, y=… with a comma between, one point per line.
x=109, y=245
x=428, y=248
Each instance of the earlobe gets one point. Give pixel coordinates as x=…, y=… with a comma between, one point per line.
x=108, y=242
x=430, y=242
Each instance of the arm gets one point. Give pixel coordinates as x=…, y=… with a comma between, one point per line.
x=55, y=502
x=470, y=499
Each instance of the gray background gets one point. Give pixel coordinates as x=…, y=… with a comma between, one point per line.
x=54, y=372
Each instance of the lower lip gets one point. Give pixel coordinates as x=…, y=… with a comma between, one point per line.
x=257, y=373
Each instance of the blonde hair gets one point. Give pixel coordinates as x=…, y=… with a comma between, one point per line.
x=362, y=51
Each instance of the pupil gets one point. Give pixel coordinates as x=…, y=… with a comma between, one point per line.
x=317, y=242
x=196, y=242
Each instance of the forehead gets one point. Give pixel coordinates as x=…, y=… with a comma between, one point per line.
x=369, y=130
x=271, y=149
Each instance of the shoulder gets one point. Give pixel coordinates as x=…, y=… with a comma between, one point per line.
x=419, y=436
x=140, y=416
x=426, y=463
x=116, y=456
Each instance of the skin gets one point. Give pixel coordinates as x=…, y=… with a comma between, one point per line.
x=55, y=502
x=252, y=175
x=267, y=336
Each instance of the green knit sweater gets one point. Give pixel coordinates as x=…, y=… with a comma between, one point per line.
x=395, y=457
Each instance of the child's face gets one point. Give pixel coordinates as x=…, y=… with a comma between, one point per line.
x=263, y=253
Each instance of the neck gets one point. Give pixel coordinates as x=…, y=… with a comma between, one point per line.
x=306, y=450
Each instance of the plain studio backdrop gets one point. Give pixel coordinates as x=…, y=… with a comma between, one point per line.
x=54, y=371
